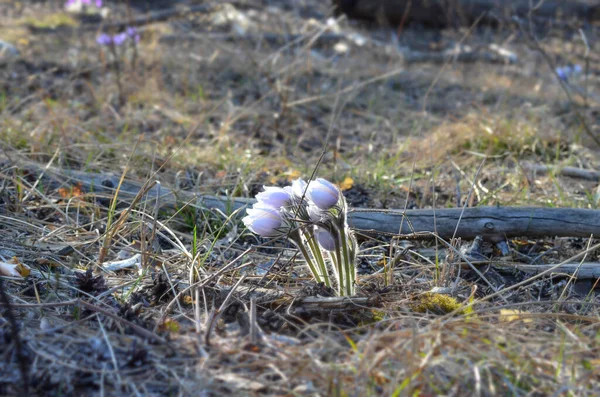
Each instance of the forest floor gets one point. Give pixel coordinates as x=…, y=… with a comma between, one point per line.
x=239, y=95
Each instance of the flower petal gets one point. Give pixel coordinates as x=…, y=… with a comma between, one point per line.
x=299, y=187
x=274, y=196
x=323, y=193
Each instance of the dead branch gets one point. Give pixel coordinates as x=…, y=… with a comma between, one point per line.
x=578, y=270
x=571, y=172
x=336, y=302
x=493, y=223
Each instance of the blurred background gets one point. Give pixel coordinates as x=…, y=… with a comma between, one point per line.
x=242, y=93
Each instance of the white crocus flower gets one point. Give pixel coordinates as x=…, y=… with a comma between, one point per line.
x=275, y=197
x=323, y=193
x=263, y=220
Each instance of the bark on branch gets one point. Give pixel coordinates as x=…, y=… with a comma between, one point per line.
x=493, y=223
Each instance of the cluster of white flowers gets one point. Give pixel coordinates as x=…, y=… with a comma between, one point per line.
x=313, y=216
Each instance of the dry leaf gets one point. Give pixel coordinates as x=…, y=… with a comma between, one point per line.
x=23, y=270
x=74, y=191
x=347, y=183
x=508, y=315
x=289, y=176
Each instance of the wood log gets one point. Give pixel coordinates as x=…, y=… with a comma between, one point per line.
x=442, y=13
x=493, y=223
x=572, y=172
x=584, y=270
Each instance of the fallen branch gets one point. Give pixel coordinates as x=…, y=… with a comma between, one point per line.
x=336, y=302
x=578, y=270
x=465, y=54
x=492, y=223
x=571, y=172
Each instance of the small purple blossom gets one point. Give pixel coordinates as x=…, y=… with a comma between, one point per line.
x=132, y=32
x=104, y=39
x=566, y=72
x=119, y=38
x=71, y=3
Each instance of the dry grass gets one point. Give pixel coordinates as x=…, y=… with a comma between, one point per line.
x=222, y=114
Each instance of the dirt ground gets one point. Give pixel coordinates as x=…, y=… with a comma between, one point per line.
x=232, y=96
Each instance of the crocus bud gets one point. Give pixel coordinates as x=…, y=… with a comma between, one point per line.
x=323, y=193
x=275, y=197
x=299, y=187
x=325, y=239
x=263, y=220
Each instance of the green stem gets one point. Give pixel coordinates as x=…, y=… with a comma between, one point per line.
x=347, y=265
x=317, y=254
x=339, y=266
x=298, y=241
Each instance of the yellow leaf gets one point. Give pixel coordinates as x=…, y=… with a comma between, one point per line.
x=292, y=174
x=23, y=270
x=170, y=326
x=347, y=183
x=508, y=315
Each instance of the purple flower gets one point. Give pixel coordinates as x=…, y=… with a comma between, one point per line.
x=563, y=73
x=323, y=193
x=566, y=72
x=133, y=33
x=275, y=197
x=71, y=3
x=104, y=39
x=325, y=239
x=119, y=38
x=263, y=220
